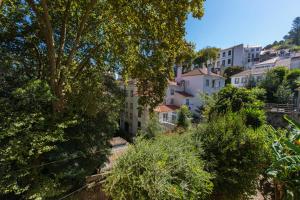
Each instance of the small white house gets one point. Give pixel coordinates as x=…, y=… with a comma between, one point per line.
x=184, y=90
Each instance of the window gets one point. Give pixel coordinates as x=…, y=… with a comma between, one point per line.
x=165, y=117
x=140, y=113
x=219, y=83
x=252, y=55
x=249, y=60
x=258, y=78
x=229, y=61
x=224, y=54
x=207, y=83
x=126, y=105
x=174, y=117
x=236, y=80
x=257, y=49
x=229, y=53
x=213, y=83
x=244, y=80
x=172, y=101
x=252, y=50
x=223, y=62
x=172, y=91
x=131, y=116
x=257, y=55
x=126, y=93
x=131, y=93
x=139, y=124
x=187, y=102
x=131, y=105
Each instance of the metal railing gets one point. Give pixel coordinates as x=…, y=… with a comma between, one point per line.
x=281, y=108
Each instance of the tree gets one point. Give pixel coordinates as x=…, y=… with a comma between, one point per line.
x=283, y=94
x=235, y=153
x=230, y=71
x=185, y=57
x=239, y=100
x=184, y=117
x=293, y=78
x=153, y=128
x=272, y=80
x=59, y=101
x=235, y=99
x=206, y=56
x=166, y=168
x=294, y=34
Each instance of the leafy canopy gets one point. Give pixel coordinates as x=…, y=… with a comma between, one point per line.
x=234, y=152
x=165, y=168
x=58, y=96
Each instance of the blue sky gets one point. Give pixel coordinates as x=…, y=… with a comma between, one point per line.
x=230, y=22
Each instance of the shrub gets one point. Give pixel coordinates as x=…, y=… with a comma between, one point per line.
x=153, y=128
x=166, y=168
x=184, y=116
x=232, y=99
x=235, y=153
x=254, y=117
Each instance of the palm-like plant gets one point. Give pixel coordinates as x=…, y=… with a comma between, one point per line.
x=285, y=169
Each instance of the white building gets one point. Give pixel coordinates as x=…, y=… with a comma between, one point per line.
x=185, y=90
x=258, y=71
x=239, y=55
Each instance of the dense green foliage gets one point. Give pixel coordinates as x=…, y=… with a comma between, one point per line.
x=285, y=169
x=232, y=99
x=184, y=117
x=165, y=168
x=230, y=71
x=293, y=78
x=206, y=56
x=74, y=142
x=294, y=35
x=59, y=102
x=283, y=93
x=235, y=153
x=153, y=128
x=280, y=84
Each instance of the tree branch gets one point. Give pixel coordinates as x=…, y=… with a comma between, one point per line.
x=63, y=33
x=45, y=25
x=79, y=33
x=82, y=64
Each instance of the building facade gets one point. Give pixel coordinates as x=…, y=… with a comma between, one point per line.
x=185, y=90
x=257, y=72
x=239, y=55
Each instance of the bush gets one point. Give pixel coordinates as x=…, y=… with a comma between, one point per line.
x=166, y=168
x=232, y=99
x=184, y=116
x=152, y=129
x=235, y=153
x=254, y=117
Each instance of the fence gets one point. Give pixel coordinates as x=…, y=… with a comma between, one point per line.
x=281, y=108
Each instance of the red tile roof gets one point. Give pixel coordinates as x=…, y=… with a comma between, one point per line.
x=199, y=71
x=166, y=108
x=185, y=94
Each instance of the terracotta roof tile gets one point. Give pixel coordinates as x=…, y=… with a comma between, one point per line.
x=197, y=72
x=166, y=108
